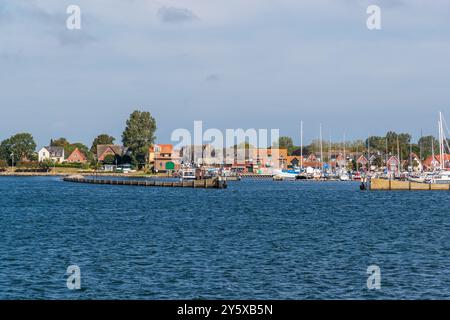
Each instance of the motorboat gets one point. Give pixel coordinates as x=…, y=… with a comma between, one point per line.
x=188, y=174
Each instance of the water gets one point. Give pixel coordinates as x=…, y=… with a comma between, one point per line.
x=255, y=240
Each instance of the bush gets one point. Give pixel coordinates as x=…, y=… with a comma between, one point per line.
x=3, y=164
x=50, y=164
x=28, y=164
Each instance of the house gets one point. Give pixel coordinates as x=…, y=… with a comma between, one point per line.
x=293, y=161
x=104, y=150
x=414, y=162
x=77, y=157
x=54, y=154
x=393, y=164
x=269, y=158
x=161, y=157
x=341, y=161
x=362, y=161
x=431, y=164
x=312, y=161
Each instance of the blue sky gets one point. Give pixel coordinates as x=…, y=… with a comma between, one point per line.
x=232, y=64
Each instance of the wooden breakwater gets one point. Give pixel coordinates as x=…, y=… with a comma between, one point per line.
x=205, y=184
x=256, y=175
x=385, y=184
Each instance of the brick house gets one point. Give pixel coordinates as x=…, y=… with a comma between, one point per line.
x=77, y=157
x=269, y=158
x=104, y=150
x=163, y=158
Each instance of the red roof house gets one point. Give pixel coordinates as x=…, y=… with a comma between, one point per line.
x=77, y=156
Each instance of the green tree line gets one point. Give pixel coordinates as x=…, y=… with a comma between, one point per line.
x=138, y=136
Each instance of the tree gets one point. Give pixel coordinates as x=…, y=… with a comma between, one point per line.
x=101, y=139
x=426, y=143
x=63, y=143
x=285, y=143
x=376, y=144
x=139, y=135
x=21, y=145
x=111, y=159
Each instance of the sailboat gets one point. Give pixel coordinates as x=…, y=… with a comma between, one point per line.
x=441, y=175
x=343, y=174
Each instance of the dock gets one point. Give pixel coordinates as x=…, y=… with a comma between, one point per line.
x=385, y=184
x=205, y=184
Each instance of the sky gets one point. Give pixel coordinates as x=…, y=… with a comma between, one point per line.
x=232, y=64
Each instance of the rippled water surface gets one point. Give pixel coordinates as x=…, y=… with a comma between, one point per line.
x=255, y=240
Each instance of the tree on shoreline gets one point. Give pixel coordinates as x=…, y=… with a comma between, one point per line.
x=139, y=135
x=21, y=146
x=101, y=139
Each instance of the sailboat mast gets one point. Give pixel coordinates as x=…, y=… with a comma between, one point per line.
x=441, y=142
x=301, y=144
x=410, y=155
x=432, y=153
x=386, y=153
x=398, y=155
x=329, y=153
x=321, y=150
x=345, y=157
x=420, y=144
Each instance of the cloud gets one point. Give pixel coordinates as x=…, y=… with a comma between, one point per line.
x=14, y=56
x=45, y=21
x=75, y=37
x=176, y=15
x=213, y=77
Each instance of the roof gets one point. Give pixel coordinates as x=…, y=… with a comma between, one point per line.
x=362, y=160
x=55, y=152
x=116, y=149
x=394, y=159
x=77, y=151
x=428, y=161
x=163, y=148
x=292, y=158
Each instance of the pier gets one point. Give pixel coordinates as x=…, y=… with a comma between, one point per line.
x=205, y=184
x=385, y=184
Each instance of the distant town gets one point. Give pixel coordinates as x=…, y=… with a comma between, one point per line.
x=140, y=152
